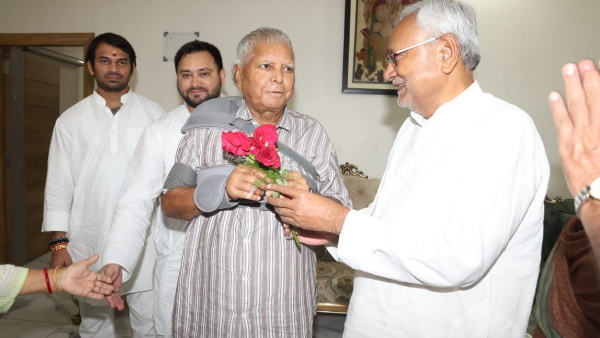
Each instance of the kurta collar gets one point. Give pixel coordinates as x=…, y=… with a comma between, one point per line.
x=445, y=109
x=101, y=101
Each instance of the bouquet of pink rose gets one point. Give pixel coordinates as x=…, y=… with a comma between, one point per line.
x=259, y=152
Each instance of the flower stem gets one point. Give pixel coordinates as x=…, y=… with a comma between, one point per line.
x=295, y=235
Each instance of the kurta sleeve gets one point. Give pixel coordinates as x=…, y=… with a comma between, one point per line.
x=134, y=211
x=58, y=194
x=12, y=279
x=453, y=222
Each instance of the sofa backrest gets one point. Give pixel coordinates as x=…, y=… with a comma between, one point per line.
x=361, y=188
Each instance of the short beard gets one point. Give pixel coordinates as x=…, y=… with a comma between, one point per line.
x=209, y=95
x=112, y=89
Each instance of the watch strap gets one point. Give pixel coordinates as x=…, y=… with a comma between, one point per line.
x=583, y=196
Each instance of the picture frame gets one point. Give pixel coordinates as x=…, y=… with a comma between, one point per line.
x=367, y=27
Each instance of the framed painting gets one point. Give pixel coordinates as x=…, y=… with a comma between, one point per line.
x=367, y=29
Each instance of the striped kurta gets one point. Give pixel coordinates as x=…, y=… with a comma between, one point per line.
x=239, y=276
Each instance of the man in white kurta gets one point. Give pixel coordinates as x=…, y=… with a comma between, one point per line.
x=200, y=75
x=92, y=144
x=451, y=245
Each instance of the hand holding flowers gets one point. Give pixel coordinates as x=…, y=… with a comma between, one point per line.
x=261, y=163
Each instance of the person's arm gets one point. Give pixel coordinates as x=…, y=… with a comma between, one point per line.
x=578, y=131
x=427, y=238
x=192, y=192
x=75, y=279
x=297, y=181
x=308, y=211
x=58, y=193
x=126, y=237
x=179, y=203
x=236, y=183
x=60, y=257
x=331, y=186
x=178, y=200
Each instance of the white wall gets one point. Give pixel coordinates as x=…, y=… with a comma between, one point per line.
x=524, y=44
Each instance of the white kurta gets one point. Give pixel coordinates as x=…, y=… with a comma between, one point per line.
x=150, y=165
x=451, y=245
x=89, y=156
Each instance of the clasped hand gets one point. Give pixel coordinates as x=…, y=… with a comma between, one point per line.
x=320, y=218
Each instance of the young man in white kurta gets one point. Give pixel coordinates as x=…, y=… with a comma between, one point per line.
x=198, y=65
x=88, y=159
x=150, y=165
x=89, y=155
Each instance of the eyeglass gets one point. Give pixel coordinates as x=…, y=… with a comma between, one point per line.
x=391, y=57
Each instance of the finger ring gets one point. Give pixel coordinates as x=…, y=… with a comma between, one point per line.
x=251, y=192
x=288, y=238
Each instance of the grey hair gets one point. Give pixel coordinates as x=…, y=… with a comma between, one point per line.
x=263, y=34
x=438, y=17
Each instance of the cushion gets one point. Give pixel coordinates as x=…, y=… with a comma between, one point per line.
x=335, y=282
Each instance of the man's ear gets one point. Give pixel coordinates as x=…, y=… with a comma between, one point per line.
x=90, y=68
x=223, y=75
x=237, y=76
x=449, y=53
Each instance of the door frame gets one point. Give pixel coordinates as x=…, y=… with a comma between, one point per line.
x=27, y=39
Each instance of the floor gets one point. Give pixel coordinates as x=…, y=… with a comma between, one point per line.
x=44, y=315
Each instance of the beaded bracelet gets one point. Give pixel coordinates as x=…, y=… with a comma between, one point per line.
x=58, y=246
x=58, y=240
x=47, y=280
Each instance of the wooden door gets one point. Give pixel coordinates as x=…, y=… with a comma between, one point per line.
x=42, y=103
x=36, y=86
x=13, y=231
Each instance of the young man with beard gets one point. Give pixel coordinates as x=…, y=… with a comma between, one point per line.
x=200, y=74
x=88, y=159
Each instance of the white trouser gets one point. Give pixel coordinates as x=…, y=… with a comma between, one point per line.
x=140, y=313
x=166, y=274
x=99, y=320
x=96, y=320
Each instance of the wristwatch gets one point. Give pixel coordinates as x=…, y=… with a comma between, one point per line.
x=590, y=191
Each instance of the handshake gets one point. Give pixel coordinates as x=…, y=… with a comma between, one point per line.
x=78, y=280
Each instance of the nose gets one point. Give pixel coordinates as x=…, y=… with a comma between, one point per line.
x=196, y=80
x=390, y=72
x=277, y=76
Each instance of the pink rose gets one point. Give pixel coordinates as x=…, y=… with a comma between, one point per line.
x=237, y=143
x=265, y=136
x=269, y=157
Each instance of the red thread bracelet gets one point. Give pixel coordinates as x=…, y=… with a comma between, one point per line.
x=47, y=280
